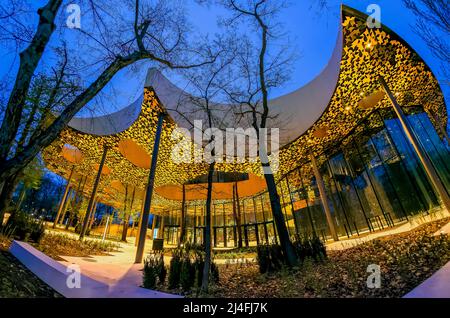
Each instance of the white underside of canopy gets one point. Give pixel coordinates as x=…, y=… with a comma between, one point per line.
x=295, y=112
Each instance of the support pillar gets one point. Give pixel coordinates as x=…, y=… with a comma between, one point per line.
x=75, y=203
x=94, y=210
x=126, y=217
x=161, y=228
x=323, y=197
x=69, y=199
x=64, y=197
x=149, y=193
x=136, y=239
x=153, y=226
x=237, y=211
x=183, y=217
x=94, y=192
x=424, y=159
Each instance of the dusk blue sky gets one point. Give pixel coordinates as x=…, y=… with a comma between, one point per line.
x=312, y=33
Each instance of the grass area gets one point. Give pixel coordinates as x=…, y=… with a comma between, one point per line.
x=56, y=244
x=405, y=260
x=16, y=281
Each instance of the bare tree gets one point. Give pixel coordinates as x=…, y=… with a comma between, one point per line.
x=261, y=69
x=48, y=93
x=157, y=31
x=432, y=16
x=208, y=83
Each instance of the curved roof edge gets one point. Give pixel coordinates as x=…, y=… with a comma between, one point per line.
x=296, y=112
x=109, y=124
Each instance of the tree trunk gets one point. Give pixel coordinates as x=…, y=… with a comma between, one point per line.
x=21, y=198
x=6, y=196
x=183, y=217
x=29, y=60
x=208, y=252
x=285, y=242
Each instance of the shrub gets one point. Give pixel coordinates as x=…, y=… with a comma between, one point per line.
x=19, y=221
x=37, y=231
x=162, y=271
x=150, y=273
x=175, y=268
x=313, y=248
x=187, y=273
x=186, y=268
x=25, y=227
x=154, y=270
x=78, y=228
x=270, y=258
x=199, y=263
x=214, y=273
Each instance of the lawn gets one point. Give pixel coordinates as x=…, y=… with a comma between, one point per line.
x=405, y=260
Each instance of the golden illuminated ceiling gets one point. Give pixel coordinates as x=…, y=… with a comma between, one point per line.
x=367, y=54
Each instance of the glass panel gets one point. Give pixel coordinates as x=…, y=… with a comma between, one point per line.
x=433, y=146
x=411, y=163
x=349, y=195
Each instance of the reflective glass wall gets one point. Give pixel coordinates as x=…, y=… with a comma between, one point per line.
x=373, y=181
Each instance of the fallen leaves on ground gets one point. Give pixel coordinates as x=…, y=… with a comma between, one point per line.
x=405, y=260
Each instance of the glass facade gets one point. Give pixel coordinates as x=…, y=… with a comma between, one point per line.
x=373, y=180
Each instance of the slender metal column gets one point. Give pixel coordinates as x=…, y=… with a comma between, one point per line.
x=69, y=199
x=136, y=238
x=127, y=217
x=64, y=197
x=94, y=192
x=428, y=166
x=297, y=231
x=74, y=203
x=304, y=195
x=323, y=197
x=237, y=213
x=94, y=211
x=183, y=217
x=124, y=227
x=161, y=228
x=154, y=225
x=149, y=193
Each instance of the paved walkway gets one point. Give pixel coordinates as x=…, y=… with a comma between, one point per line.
x=97, y=280
x=123, y=276
x=437, y=286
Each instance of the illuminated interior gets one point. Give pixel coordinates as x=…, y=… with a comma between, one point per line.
x=372, y=176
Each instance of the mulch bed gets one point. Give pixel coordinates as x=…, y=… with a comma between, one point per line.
x=56, y=245
x=405, y=261
x=16, y=281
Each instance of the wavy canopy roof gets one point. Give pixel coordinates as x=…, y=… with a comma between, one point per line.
x=321, y=114
x=297, y=111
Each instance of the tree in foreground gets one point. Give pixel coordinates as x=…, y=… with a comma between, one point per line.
x=110, y=40
x=208, y=83
x=261, y=67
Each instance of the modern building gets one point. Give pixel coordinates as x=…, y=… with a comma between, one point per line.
x=363, y=148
